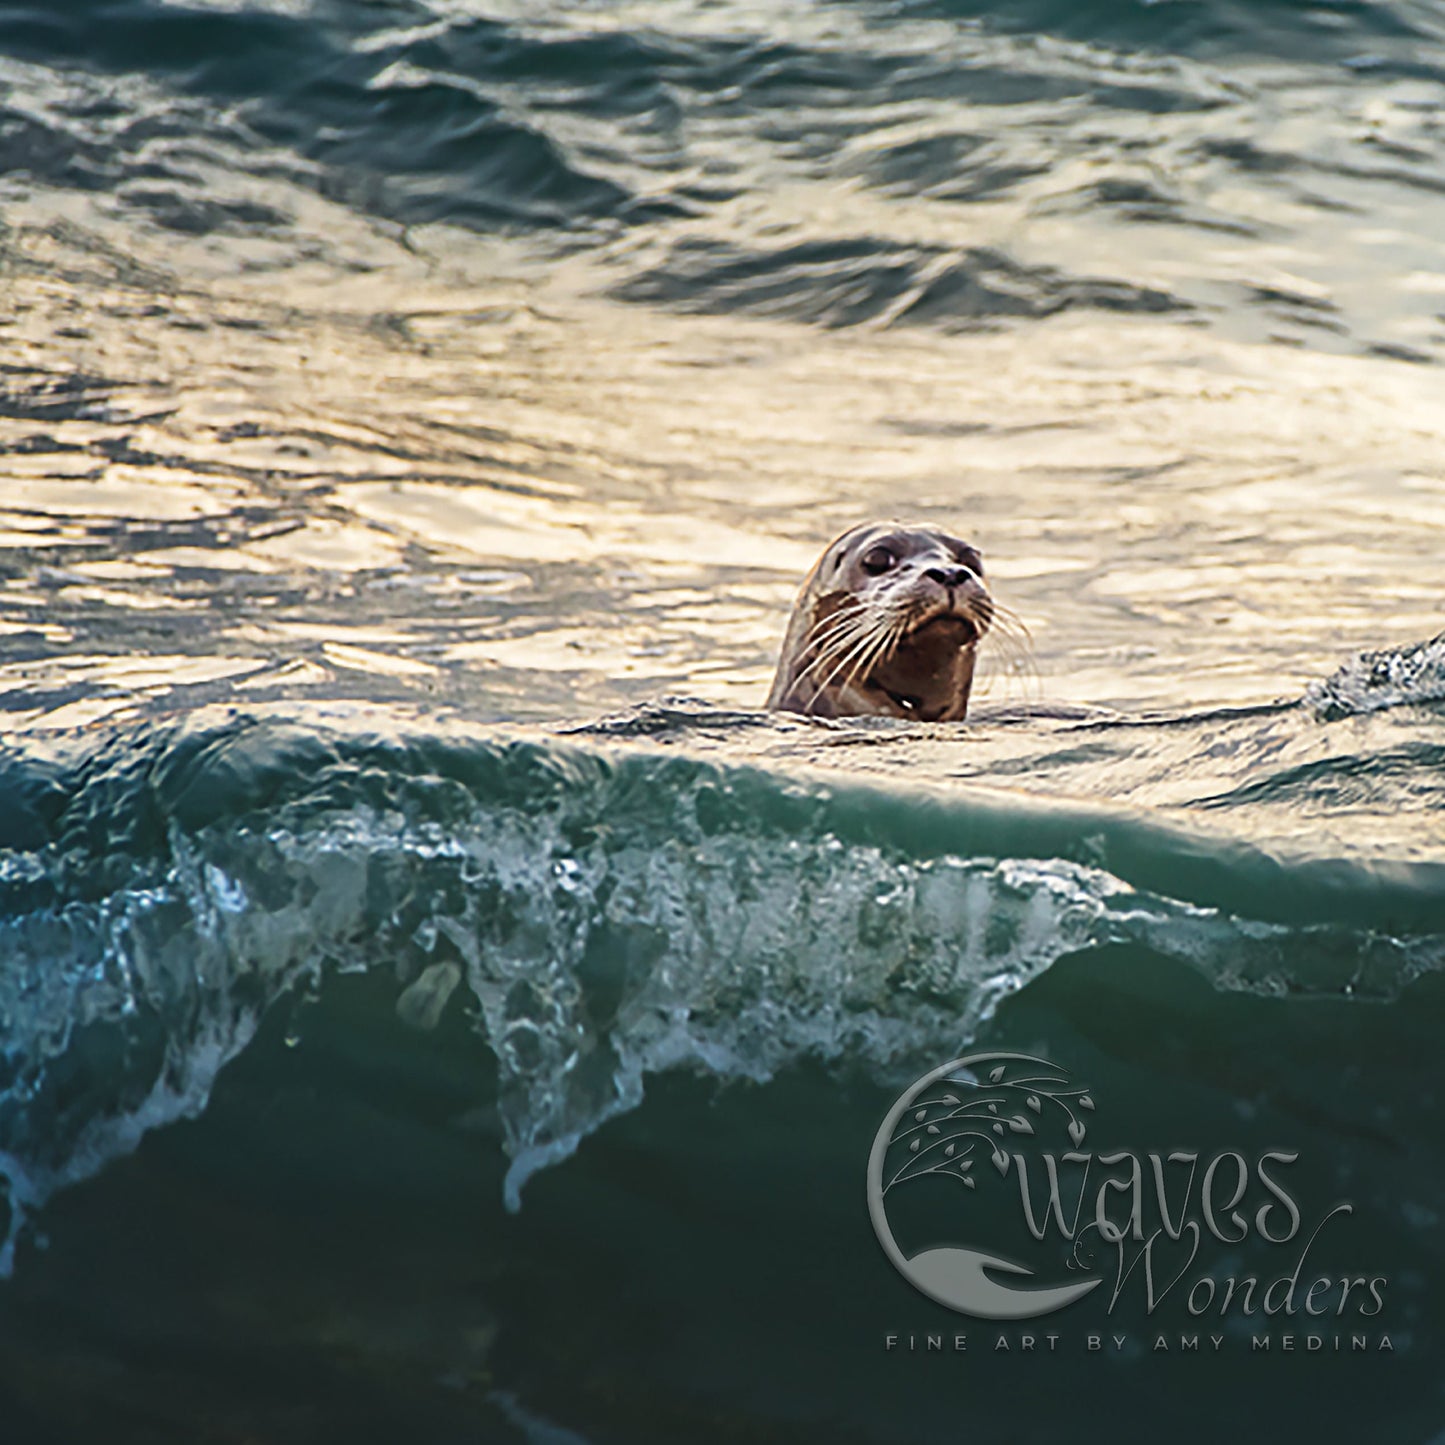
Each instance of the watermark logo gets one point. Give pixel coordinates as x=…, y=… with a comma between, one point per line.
x=1119, y=1224
x=950, y=1122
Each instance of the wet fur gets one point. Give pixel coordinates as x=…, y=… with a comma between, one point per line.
x=897, y=645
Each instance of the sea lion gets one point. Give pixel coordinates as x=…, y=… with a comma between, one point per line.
x=886, y=624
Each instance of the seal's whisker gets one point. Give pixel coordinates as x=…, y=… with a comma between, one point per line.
x=835, y=661
x=838, y=636
x=1010, y=641
x=852, y=608
x=889, y=643
x=839, y=622
x=826, y=632
x=889, y=623
x=882, y=644
x=1009, y=634
x=859, y=649
x=1006, y=626
x=1009, y=652
x=1006, y=619
x=838, y=643
x=1014, y=666
x=856, y=650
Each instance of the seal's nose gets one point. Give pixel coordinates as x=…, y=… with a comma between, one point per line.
x=950, y=577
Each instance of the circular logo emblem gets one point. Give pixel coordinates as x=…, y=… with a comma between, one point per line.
x=976, y=1123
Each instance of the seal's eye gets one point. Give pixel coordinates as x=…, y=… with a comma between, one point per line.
x=878, y=560
x=968, y=556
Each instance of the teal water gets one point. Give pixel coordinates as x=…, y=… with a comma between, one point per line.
x=436, y=1001
x=488, y=1065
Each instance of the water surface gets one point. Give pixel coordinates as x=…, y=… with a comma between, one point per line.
x=434, y=999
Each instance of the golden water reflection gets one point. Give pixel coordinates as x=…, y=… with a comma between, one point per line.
x=531, y=501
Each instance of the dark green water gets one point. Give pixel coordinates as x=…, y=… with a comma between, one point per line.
x=372, y=976
x=435, y=1003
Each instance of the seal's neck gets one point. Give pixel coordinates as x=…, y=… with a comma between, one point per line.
x=928, y=678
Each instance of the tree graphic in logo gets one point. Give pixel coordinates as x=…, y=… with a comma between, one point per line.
x=948, y=1123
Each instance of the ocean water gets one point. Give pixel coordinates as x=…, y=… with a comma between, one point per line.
x=436, y=1001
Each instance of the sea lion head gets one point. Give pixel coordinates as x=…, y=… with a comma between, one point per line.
x=886, y=624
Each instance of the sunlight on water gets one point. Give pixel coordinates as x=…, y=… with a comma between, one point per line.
x=1130, y=319
x=1176, y=518
x=416, y=418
